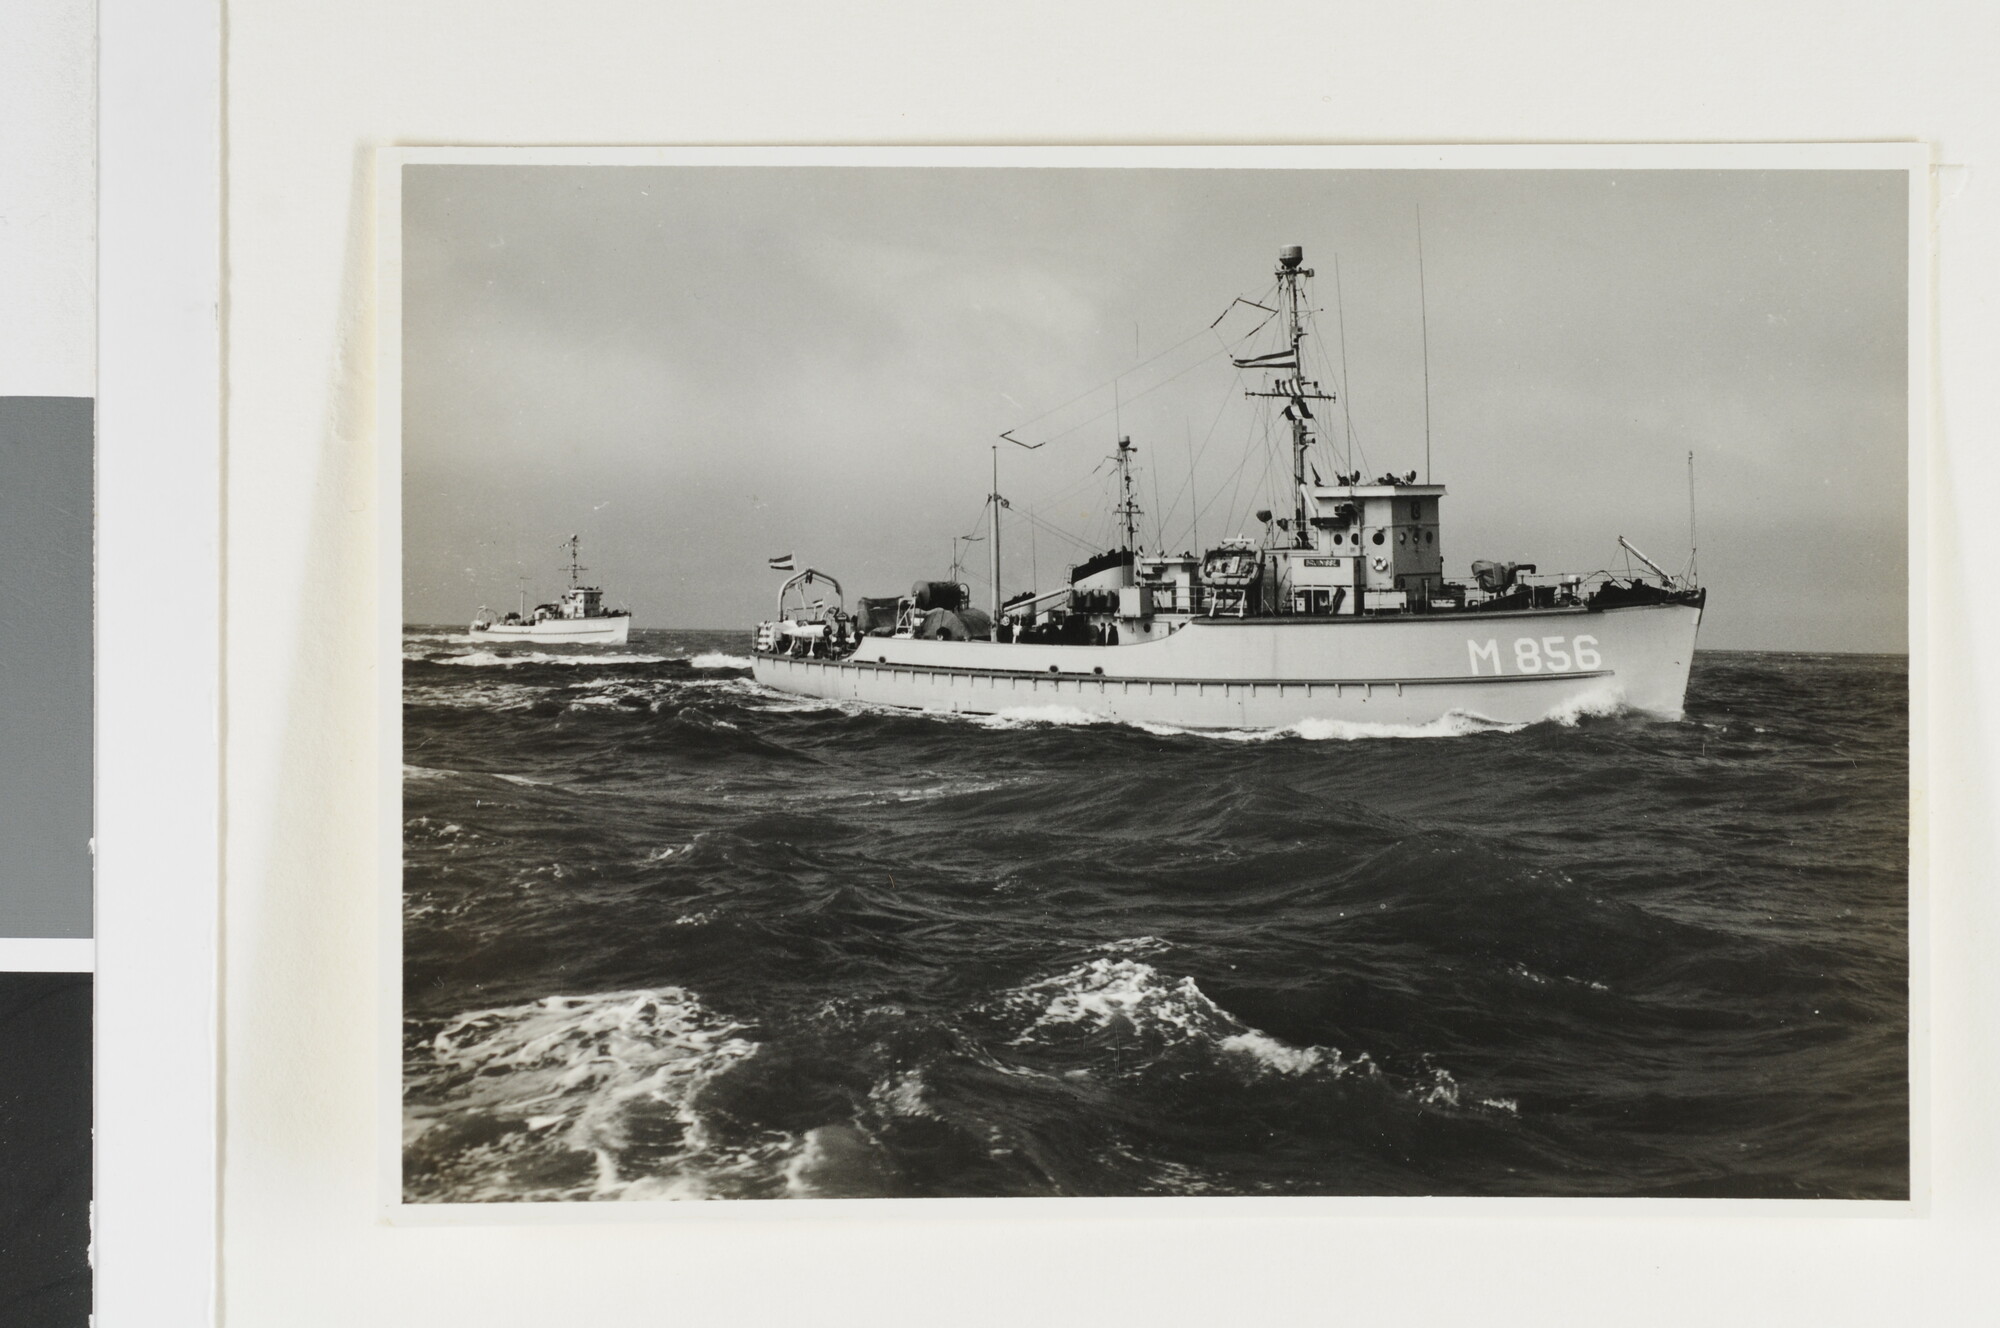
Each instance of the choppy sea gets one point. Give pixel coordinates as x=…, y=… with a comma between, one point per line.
x=668, y=934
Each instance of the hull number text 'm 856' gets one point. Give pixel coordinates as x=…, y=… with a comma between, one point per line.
x=1548, y=654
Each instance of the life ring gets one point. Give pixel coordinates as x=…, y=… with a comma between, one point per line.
x=1379, y=564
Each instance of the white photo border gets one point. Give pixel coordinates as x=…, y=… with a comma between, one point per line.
x=1914, y=159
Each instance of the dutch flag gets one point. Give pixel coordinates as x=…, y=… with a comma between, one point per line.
x=782, y=563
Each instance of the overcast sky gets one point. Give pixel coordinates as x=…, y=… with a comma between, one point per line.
x=696, y=368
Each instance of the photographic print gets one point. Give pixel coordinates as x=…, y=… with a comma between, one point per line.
x=1145, y=674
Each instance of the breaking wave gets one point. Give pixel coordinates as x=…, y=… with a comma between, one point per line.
x=488, y=659
x=576, y=1097
x=715, y=659
x=1161, y=1015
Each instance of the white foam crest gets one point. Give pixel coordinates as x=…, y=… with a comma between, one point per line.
x=837, y=1161
x=1176, y=1012
x=1601, y=703
x=1271, y=1053
x=716, y=659
x=1451, y=724
x=1135, y=945
x=483, y=696
x=486, y=659
x=570, y=1073
x=901, y=1094
x=526, y=781
x=1016, y=717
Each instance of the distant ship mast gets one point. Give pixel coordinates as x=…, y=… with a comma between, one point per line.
x=576, y=568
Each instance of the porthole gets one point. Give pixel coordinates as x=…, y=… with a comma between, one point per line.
x=1416, y=511
x=1402, y=537
x=1380, y=536
x=1430, y=537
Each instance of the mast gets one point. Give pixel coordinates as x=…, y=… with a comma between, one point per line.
x=1128, y=509
x=1288, y=274
x=993, y=501
x=1296, y=390
x=574, y=544
x=1424, y=310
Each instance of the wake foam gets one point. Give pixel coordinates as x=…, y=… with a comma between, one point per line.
x=490, y=659
x=715, y=659
x=1021, y=717
x=1452, y=724
x=1602, y=704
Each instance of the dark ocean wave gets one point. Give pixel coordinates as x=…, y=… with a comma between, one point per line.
x=668, y=934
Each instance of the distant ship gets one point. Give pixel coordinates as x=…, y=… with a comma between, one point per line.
x=1340, y=611
x=578, y=616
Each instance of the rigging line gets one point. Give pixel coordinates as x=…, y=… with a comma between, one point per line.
x=1271, y=450
x=1264, y=480
x=1052, y=499
x=1035, y=563
x=1060, y=534
x=1326, y=438
x=1034, y=517
x=1347, y=418
x=1347, y=392
x=1034, y=527
x=1423, y=297
x=1190, y=451
x=1177, y=374
x=1249, y=439
x=1230, y=511
x=1232, y=394
x=1101, y=385
x=1159, y=521
x=1321, y=373
x=1069, y=489
x=1694, y=547
x=1084, y=424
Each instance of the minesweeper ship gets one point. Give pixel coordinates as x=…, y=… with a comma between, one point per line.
x=578, y=616
x=1340, y=612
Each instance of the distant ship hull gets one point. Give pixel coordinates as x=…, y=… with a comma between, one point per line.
x=561, y=631
x=1509, y=667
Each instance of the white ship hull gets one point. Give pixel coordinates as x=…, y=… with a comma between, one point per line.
x=561, y=631
x=1510, y=667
